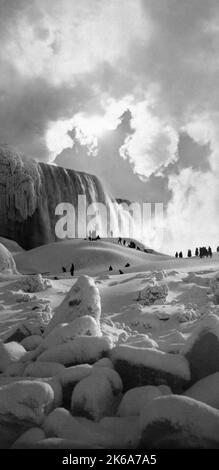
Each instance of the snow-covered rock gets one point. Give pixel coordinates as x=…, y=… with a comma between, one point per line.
x=33, y=283
x=176, y=421
x=31, y=342
x=202, y=348
x=60, y=423
x=82, y=326
x=7, y=263
x=29, y=438
x=53, y=382
x=43, y=369
x=25, y=400
x=104, y=362
x=206, y=390
x=165, y=389
x=134, y=400
x=9, y=353
x=97, y=395
x=69, y=377
x=154, y=294
x=16, y=369
x=82, y=350
x=83, y=299
x=142, y=366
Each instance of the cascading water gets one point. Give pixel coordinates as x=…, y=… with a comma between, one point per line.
x=31, y=191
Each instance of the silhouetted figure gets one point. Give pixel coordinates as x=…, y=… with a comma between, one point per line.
x=217, y=249
x=110, y=268
x=132, y=244
x=63, y=269
x=124, y=242
x=121, y=272
x=189, y=254
x=180, y=254
x=210, y=252
x=203, y=252
x=72, y=270
x=127, y=265
x=119, y=241
x=196, y=252
x=177, y=255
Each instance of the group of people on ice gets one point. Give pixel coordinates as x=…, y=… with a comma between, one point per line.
x=201, y=252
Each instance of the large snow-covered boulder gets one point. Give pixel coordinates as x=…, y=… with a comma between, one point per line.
x=176, y=421
x=134, y=400
x=43, y=369
x=82, y=326
x=7, y=263
x=82, y=350
x=206, y=390
x=97, y=395
x=83, y=299
x=154, y=294
x=142, y=366
x=202, y=348
x=53, y=382
x=9, y=353
x=65, y=332
x=25, y=400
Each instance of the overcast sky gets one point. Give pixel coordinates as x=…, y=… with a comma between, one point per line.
x=125, y=89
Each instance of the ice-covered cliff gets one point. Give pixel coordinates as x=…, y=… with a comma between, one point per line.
x=30, y=192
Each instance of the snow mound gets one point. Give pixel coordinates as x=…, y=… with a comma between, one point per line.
x=25, y=400
x=97, y=395
x=7, y=263
x=43, y=369
x=33, y=283
x=142, y=366
x=134, y=400
x=60, y=423
x=83, y=349
x=30, y=437
x=82, y=326
x=202, y=348
x=73, y=374
x=178, y=422
x=16, y=369
x=9, y=353
x=11, y=245
x=206, y=390
x=83, y=299
x=154, y=294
